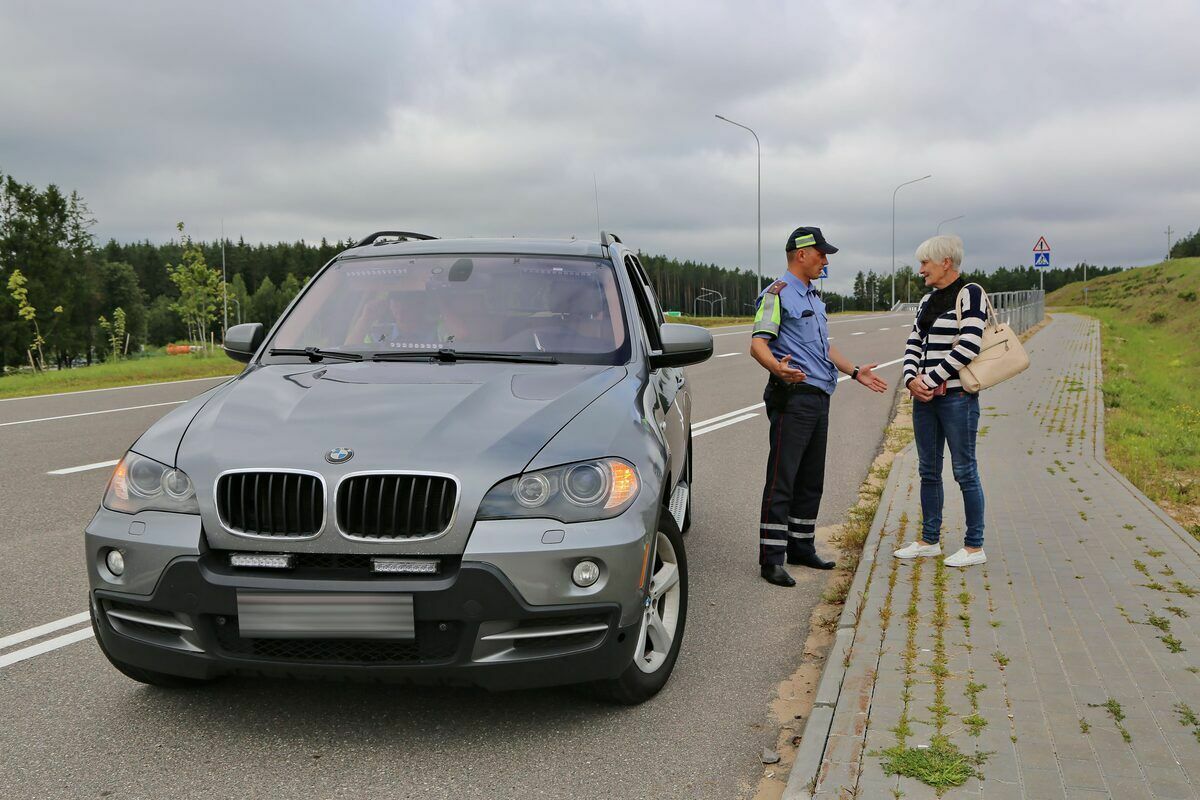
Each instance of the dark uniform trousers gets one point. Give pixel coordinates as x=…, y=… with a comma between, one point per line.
x=799, y=416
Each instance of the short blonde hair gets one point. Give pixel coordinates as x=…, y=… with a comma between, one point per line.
x=939, y=248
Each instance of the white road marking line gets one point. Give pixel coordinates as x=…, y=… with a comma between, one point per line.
x=858, y=333
x=705, y=423
x=727, y=355
x=91, y=413
x=46, y=646
x=885, y=329
x=42, y=630
x=84, y=468
x=831, y=322
x=720, y=425
x=115, y=388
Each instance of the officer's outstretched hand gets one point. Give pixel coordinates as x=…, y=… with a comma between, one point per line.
x=789, y=374
x=868, y=378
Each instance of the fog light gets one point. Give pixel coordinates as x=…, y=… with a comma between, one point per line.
x=115, y=562
x=586, y=573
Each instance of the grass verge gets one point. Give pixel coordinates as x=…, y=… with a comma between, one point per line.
x=1151, y=359
x=157, y=368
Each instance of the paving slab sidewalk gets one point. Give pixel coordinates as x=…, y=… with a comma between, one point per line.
x=1072, y=658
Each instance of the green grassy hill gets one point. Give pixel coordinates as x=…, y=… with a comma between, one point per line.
x=1150, y=332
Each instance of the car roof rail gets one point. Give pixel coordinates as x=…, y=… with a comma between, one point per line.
x=402, y=236
x=607, y=238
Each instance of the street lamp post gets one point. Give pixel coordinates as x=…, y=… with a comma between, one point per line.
x=758, y=144
x=943, y=222
x=897, y=189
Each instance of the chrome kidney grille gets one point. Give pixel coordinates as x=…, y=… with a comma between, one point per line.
x=390, y=506
x=277, y=505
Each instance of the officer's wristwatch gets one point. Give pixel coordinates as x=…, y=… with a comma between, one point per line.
x=854, y=374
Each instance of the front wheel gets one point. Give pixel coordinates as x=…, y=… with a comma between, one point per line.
x=664, y=614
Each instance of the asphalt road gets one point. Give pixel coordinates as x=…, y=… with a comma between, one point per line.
x=71, y=726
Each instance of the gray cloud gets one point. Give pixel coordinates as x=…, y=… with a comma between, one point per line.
x=1074, y=120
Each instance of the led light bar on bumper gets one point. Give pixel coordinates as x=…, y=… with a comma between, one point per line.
x=579, y=492
x=143, y=484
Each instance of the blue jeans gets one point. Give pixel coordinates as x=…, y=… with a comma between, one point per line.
x=954, y=419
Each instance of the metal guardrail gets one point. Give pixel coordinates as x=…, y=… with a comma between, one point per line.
x=1020, y=310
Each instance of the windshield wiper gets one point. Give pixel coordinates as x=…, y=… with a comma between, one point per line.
x=316, y=354
x=446, y=355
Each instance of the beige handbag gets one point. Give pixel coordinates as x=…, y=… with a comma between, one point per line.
x=1001, y=355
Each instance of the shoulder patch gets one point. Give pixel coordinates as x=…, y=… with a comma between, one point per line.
x=777, y=287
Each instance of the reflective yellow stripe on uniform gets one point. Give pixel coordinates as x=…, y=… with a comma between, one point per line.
x=768, y=317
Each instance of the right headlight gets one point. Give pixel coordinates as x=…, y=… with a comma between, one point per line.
x=143, y=484
x=579, y=492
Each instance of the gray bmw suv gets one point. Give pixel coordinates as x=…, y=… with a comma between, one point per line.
x=452, y=461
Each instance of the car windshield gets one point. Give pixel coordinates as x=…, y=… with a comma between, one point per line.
x=568, y=308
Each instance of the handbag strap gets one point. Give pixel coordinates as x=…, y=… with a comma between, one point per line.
x=992, y=316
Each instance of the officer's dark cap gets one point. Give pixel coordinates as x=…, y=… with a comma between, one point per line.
x=809, y=237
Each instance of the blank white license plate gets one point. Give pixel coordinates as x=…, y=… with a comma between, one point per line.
x=270, y=615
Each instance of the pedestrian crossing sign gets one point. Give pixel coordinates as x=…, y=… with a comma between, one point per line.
x=1041, y=259
x=824, y=272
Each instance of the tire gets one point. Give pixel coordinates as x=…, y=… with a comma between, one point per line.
x=148, y=676
x=687, y=476
x=653, y=662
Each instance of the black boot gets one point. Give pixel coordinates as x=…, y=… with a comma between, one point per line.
x=810, y=560
x=776, y=574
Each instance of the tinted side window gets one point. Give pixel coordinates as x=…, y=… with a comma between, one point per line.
x=646, y=302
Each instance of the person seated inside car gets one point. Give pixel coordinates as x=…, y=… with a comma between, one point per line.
x=398, y=319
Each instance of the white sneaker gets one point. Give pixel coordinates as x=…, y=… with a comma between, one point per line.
x=918, y=549
x=963, y=558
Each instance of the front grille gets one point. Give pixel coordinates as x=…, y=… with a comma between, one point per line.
x=283, y=504
x=435, y=641
x=395, y=506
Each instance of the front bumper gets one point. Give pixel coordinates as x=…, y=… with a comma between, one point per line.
x=188, y=626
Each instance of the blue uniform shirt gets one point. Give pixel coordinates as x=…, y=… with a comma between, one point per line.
x=791, y=316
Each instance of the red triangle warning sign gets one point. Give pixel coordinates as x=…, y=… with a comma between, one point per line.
x=1041, y=246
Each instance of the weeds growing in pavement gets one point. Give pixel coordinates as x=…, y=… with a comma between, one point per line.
x=940, y=765
x=1141, y=567
x=1177, y=611
x=1001, y=659
x=1118, y=716
x=1184, y=589
x=1150, y=551
x=1084, y=726
x=1128, y=527
x=1162, y=623
x=1173, y=644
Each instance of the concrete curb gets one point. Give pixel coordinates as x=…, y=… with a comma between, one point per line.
x=817, y=727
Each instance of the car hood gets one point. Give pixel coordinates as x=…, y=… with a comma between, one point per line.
x=479, y=422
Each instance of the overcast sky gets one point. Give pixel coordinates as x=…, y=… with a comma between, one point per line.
x=1077, y=121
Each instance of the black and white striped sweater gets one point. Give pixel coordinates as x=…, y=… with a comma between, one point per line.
x=948, y=347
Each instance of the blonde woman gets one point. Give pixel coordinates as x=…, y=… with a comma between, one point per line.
x=941, y=343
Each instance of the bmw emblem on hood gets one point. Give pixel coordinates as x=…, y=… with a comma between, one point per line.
x=339, y=455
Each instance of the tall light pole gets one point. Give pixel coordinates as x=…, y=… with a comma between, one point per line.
x=759, y=145
x=943, y=222
x=224, y=279
x=898, y=188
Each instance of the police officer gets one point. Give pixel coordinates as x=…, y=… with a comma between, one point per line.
x=790, y=340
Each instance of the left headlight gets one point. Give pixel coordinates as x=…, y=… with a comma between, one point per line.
x=143, y=484
x=579, y=492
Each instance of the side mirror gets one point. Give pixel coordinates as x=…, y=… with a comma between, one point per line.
x=682, y=345
x=243, y=341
